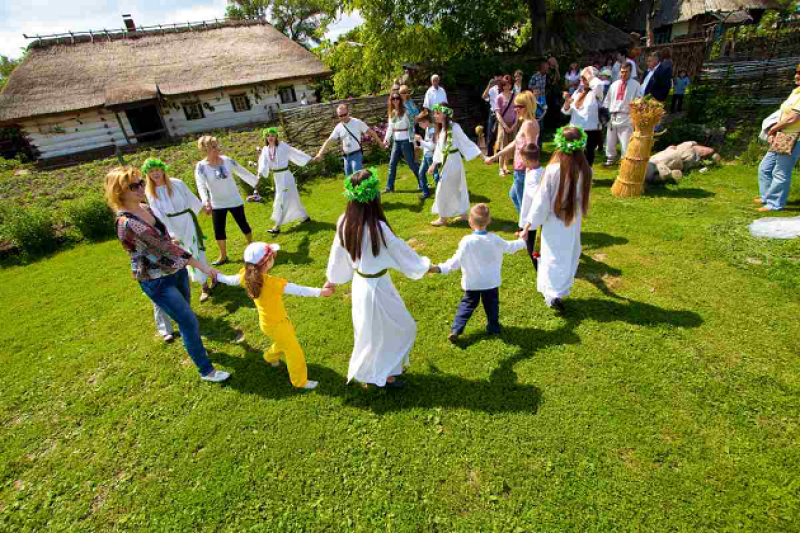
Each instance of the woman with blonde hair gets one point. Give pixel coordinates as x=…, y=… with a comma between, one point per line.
x=525, y=107
x=558, y=206
x=157, y=263
x=218, y=190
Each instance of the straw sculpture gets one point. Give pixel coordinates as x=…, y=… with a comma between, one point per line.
x=646, y=113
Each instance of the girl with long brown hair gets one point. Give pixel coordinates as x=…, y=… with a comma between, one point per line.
x=398, y=135
x=363, y=251
x=267, y=293
x=558, y=207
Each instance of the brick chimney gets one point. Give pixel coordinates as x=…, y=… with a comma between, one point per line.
x=131, y=27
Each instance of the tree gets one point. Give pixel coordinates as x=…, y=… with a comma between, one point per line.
x=303, y=21
x=7, y=66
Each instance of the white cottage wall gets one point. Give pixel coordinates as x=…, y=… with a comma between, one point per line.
x=76, y=132
x=218, y=109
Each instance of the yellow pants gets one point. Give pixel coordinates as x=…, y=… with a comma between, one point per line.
x=285, y=346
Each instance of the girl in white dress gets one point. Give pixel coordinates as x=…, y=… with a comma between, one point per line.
x=275, y=158
x=177, y=207
x=452, y=196
x=365, y=245
x=558, y=207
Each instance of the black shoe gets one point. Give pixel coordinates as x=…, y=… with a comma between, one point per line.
x=274, y=231
x=558, y=306
x=220, y=262
x=497, y=331
x=396, y=384
x=305, y=220
x=453, y=337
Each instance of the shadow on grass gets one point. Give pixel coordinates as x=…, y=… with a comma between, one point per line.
x=591, y=240
x=605, y=183
x=313, y=227
x=680, y=192
x=301, y=256
x=414, y=208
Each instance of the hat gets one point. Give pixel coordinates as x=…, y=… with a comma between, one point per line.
x=606, y=72
x=257, y=251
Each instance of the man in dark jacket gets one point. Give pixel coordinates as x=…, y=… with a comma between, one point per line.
x=658, y=80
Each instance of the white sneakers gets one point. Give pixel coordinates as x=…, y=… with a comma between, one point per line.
x=311, y=385
x=217, y=376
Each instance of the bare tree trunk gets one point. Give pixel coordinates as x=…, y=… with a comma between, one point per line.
x=538, y=15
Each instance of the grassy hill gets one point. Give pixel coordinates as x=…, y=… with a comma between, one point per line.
x=667, y=399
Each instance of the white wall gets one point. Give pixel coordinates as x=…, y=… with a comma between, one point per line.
x=75, y=132
x=223, y=115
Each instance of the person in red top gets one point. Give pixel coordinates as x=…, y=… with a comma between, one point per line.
x=157, y=263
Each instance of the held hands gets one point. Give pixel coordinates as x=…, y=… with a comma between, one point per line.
x=523, y=233
x=431, y=170
x=327, y=291
x=207, y=209
x=434, y=270
x=213, y=273
x=489, y=160
x=418, y=137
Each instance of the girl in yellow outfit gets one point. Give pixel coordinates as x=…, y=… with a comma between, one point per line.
x=267, y=293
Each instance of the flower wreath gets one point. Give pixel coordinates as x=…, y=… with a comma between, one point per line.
x=443, y=109
x=569, y=147
x=153, y=164
x=366, y=191
x=269, y=131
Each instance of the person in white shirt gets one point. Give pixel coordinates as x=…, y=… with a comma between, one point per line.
x=428, y=145
x=558, y=207
x=480, y=259
x=533, y=178
x=582, y=107
x=622, y=58
x=275, y=159
x=434, y=95
x=398, y=138
x=618, y=102
x=349, y=131
x=364, y=250
x=219, y=193
x=490, y=95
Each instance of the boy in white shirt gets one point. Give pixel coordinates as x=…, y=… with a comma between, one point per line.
x=428, y=145
x=480, y=258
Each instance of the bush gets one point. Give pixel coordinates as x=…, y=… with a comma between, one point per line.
x=754, y=153
x=93, y=219
x=31, y=230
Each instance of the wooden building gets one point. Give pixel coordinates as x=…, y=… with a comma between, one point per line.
x=95, y=90
x=676, y=20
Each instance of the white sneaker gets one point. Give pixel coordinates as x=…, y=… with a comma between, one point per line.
x=217, y=376
x=311, y=385
x=276, y=364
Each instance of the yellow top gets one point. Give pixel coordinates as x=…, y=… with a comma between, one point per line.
x=791, y=104
x=270, y=302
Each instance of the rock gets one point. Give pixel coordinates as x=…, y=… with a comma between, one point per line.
x=22, y=172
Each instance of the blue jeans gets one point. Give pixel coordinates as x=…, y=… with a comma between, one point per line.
x=353, y=162
x=517, y=189
x=422, y=177
x=775, y=177
x=468, y=304
x=405, y=148
x=172, y=295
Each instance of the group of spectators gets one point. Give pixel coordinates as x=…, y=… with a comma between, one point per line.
x=595, y=97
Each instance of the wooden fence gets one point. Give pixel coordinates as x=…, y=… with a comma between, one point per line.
x=686, y=55
x=307, y=127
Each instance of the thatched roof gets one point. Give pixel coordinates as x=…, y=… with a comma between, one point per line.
x=674, y=11
x=63, y=77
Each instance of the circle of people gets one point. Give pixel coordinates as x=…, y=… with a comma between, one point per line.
x=157, y=222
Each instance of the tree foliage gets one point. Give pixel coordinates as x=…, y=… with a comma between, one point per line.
x=303, y=21
x=7, y=66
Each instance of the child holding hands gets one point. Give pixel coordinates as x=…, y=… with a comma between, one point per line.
x=267, y=293
x=480, y=258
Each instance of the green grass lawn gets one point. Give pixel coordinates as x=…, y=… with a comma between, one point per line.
x=668, y=399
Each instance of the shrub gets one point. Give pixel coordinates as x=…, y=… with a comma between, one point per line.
x=31, y=230
x=93, y=219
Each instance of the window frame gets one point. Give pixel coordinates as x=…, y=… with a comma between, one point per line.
x=243, y=98
x=199, y=106
x=293, y=93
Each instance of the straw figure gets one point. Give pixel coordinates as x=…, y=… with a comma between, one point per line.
x=646, y=113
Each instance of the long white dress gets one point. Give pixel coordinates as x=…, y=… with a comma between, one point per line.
x=452, y=196
x=287, y=206
x=179, y=213
x=383, y=328
x=561, y=244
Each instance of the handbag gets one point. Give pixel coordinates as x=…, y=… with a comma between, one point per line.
x=783, y=143
x=604, y=115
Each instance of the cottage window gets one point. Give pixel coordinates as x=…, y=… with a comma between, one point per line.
x=193, y=111
x=287, y=95
x=240, y=103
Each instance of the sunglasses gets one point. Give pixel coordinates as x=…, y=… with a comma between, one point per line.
x=519, y=106
x=136, y=186
x=395, y=98
x=342, y=116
